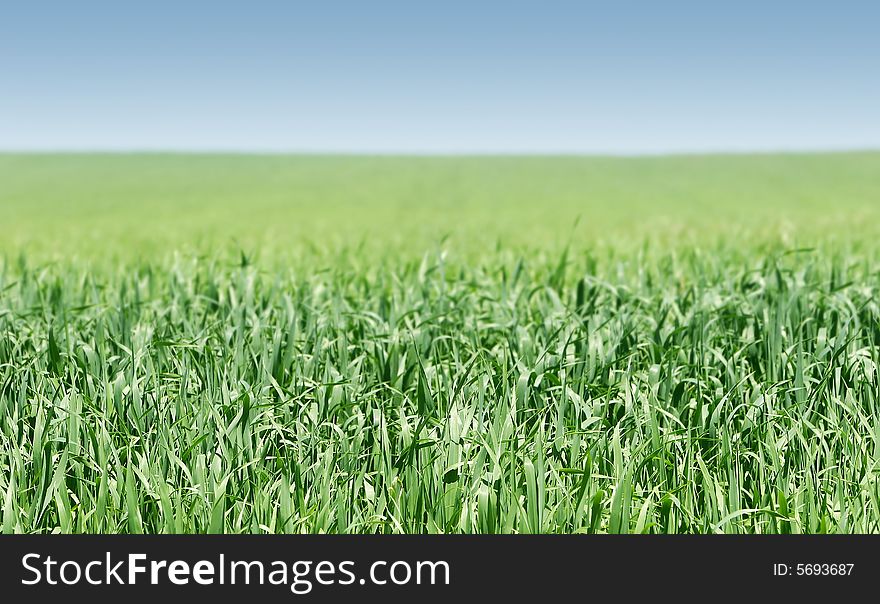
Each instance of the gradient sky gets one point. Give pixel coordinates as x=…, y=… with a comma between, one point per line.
x=542, y=76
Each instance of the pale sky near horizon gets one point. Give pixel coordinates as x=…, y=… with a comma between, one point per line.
x=444, y=77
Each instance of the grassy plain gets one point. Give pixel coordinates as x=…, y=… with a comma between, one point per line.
x=222, y=343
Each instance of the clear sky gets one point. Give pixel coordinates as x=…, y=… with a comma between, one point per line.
x=446, y=76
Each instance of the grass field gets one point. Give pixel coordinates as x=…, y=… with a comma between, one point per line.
x=215, y=343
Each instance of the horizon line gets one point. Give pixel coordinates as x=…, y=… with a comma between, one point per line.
x=439, y=153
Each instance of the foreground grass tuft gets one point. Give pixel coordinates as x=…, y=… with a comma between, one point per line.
x=722, y=390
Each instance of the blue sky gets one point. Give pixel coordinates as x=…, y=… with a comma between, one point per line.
x=446, y=77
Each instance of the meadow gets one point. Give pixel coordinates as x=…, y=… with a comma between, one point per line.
x=352, y=344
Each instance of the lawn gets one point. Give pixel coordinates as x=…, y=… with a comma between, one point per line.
x=274, y=343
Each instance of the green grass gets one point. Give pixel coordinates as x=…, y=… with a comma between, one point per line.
x=352, y=344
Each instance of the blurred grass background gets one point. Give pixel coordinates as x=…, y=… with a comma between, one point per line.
x=140, y=206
